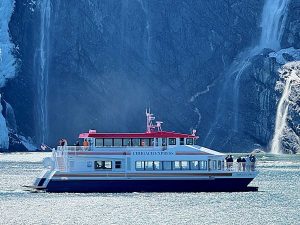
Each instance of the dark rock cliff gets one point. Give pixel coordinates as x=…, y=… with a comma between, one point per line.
x=109, y=60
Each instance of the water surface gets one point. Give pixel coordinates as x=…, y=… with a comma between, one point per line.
x=276, y=202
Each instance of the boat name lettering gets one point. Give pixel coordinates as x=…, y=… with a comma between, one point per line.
x=153, y=153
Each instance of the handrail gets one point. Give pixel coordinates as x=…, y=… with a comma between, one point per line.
x=73, y=148
x=92, y=148
x=240, y=166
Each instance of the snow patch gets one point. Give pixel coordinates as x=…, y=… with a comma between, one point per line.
x=27, y=143
x=279, y=55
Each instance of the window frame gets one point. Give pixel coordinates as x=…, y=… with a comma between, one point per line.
x=188, y=165
x=181, y=141
x=128, y=141
x=187, y=141
x=148, y=165
x=99, y=140
x=112, y=142
x=170, y=165
x=142, y=163
x=118, y=164
x=174, y=165
x=119, y=139
x=170, y=142
x=134, y=144
x=103, y=165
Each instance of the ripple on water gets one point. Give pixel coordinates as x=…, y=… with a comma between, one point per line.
x=278, y=196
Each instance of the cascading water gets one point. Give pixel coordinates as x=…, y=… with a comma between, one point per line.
x=292, y=79
x=45, y=12
x=273, y=21
x=272, y=24
x=10, y=116
x=147, y=29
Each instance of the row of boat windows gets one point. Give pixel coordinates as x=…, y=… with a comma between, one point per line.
x=140, y=141
x=178, y=165
x=163, y=165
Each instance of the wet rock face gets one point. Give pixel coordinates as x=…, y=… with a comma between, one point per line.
x=109, y=60
x=291, y=37
x=288, y=137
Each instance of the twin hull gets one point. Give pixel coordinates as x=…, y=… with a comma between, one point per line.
x=54, y=181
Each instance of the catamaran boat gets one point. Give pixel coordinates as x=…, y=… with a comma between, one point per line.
x=153, y=161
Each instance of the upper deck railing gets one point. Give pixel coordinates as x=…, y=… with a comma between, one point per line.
x=95, y=148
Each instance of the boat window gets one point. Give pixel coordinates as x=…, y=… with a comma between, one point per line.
x=185, y=165
x=189, y=141
x=177, y=165
x=203, y=165
x=139, y=165
x=181, y=141
x=99, y=142
x=164, y=142
x=145, y=142
x=135, y=141
x=167, y=165
x=156, y=141
x=219, y=165
x=157, y=165
x=151, y=142
x=118, y=164
x=148, y=165
x=126, y=142
x=214, y=164
x=194, y=165
x=108, y=142
x=172, y=141
x=103, y=165
x=118, y=142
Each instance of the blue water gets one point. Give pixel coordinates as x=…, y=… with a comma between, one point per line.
x=276, y=202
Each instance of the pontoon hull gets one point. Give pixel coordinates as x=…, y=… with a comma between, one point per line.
x=115, y=186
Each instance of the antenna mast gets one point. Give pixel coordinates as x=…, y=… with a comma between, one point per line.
x=150, y=126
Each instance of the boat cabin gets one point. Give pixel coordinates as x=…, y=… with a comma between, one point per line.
x=154, y=139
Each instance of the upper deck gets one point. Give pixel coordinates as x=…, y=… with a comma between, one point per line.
x=154, y=139
x=131, y=141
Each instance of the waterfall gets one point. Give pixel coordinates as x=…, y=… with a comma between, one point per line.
x=145, y=11
x=45, y=12
x=272, y=26
x=291, y=79
x=10, y=116
x=272, y=23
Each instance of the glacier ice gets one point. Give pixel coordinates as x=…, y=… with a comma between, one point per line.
x=7, y=60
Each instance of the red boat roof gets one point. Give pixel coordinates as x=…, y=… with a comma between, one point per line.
x=156, y=134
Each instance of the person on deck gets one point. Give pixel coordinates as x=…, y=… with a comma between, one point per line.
x=85, y=144
x=243, y=163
